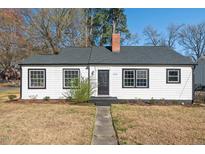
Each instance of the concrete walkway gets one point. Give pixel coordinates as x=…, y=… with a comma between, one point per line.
x=104, y=133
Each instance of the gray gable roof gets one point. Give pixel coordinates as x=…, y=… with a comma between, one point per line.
x=66, y=56
x=137, y=55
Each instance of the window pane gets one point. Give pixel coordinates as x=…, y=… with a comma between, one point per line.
x=173, y=76
x=141, y=74
x=37, y=79
x=129, y=78
x=141, y=78
x=173, y=73
x=173, y=79
x=71, y=78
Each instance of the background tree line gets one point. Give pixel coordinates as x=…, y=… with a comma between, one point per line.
x=191, y=38
x=26, y=32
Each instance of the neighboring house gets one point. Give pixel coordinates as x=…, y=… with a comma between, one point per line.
x=200, y=73
x=124, y=72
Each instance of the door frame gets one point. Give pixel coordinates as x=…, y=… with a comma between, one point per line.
x=108, y=82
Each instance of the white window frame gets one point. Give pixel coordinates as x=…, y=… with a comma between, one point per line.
x=30, y=86
x=124, y=70
x=178, y=75
x=146, y=78
x=67, y=69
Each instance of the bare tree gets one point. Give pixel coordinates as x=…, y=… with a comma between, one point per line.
x=152, y=37
x=192, y=38
x=49, y=27
x=85, y=28
x=13, y=45
x=169, y=38
x=172, y=35
x=133, y=40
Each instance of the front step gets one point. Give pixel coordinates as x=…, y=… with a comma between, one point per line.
x=103, y=101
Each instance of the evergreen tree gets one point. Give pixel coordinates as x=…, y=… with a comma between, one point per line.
x=101, y=23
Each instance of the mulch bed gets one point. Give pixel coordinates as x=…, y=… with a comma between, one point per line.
x=161, y=103
x=39, y=101
x=131, y=102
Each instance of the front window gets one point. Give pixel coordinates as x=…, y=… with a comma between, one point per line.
x=135, y=78
x=37, y=78
x=141, y=78
x=71, y=78
x=129, y=78
x=173, y=75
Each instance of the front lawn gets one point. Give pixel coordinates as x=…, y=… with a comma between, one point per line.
x=34, y=123
x=9, y=84
x=5, y=93
x=174, y=124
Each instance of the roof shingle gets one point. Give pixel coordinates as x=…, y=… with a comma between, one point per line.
x=137, y=55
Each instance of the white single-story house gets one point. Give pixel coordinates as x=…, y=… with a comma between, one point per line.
x=124, y=72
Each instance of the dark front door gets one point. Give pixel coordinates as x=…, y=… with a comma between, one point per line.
x=103, y=82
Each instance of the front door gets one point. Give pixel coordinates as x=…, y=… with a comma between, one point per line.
x=103, y=82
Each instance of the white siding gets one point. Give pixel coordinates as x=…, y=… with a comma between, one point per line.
x=54, y=81
x=158, y=88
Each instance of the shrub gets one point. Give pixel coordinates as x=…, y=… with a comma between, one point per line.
x=12, y=97
x=152, y=101
x=46, y=98
x=80, y=91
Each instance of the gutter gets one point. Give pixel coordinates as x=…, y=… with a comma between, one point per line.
x=88, y=63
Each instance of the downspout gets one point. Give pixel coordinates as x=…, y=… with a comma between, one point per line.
x=21, y=82
x=193, y=80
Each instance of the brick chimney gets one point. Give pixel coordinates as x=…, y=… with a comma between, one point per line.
x=116, y=42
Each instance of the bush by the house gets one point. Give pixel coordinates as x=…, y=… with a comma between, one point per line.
x=12, y=97
x=46, y=98
x=80, y=91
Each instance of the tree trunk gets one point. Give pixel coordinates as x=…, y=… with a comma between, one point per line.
x=113, y=26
